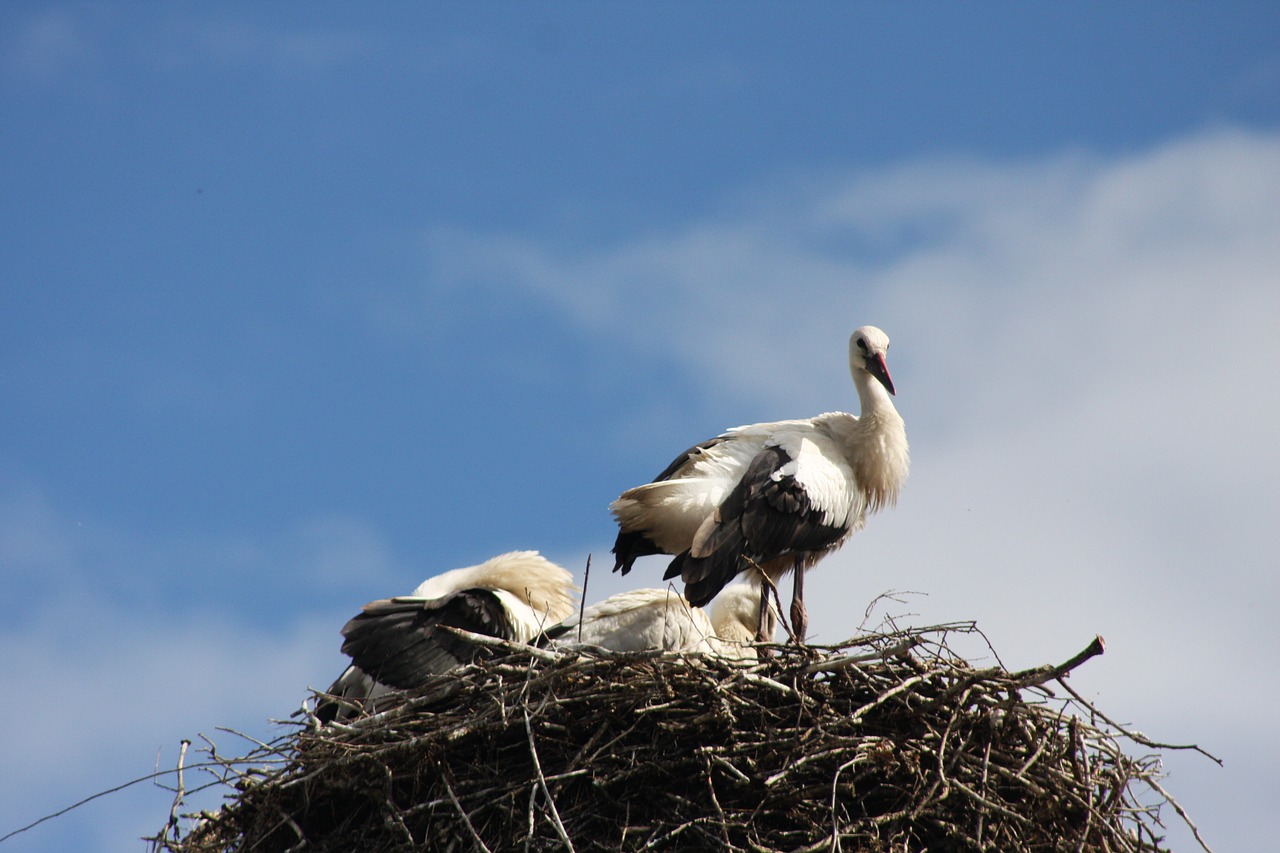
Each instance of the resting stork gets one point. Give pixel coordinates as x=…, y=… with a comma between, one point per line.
x=774, y=497
x=394, y=643
x=662, y=619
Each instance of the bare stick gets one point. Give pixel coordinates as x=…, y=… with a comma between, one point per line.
x=715, y=801
x=845, y=661
x=499, y=643
x=1181, y=813
x=180, y=793
x=1041, y=674
x=148, y=778
x=771, y=591
x=582, y=602
x=462, y=813
x=542, y=783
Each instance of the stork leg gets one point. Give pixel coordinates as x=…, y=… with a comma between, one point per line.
x=763, y=632
x=799, y=615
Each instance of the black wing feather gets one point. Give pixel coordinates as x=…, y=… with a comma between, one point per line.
x=629, y=547
x=763, y=518
x=352, y=689
x=398, y=642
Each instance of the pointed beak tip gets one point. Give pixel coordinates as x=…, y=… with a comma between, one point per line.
x=880, y=371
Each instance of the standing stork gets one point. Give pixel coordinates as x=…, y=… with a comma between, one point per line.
x=396, y=643
x=775, y=497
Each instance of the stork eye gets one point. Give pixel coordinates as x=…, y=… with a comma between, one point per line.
x=862, y=344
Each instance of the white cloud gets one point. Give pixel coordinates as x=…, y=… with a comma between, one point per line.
x=105, y=672
x=98, y=695
x=968, y=254
x=1086, y=355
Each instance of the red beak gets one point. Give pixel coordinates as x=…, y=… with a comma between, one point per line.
x=877, y=368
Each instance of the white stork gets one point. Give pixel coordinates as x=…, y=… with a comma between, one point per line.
x=772, y=497
x=394, y=642
x=662, y=619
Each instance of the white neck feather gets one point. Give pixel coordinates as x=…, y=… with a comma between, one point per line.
x=878, y=447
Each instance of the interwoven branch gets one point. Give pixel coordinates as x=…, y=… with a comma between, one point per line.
x=888, y=743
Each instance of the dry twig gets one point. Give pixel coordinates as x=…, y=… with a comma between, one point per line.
x=889, y=742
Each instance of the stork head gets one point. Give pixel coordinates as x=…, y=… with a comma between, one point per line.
x=735, y=613
x=528, y=575
x=868, y=347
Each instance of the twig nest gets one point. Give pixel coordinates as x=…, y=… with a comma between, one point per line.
x=888, y=743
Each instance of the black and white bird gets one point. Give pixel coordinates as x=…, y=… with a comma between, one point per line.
x=772, y=497
x=396, y=643
x=663, y=619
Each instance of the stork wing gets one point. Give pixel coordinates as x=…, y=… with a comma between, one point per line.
x=353, y=690
x=396, y=641
x=770, y=513
x=633, y=544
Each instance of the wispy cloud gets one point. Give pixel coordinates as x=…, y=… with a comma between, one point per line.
x=287, y=51
x=47, y=45
x=1089, y=329
x=105, y=694
x=120, y=644
x=1085, y=358
x=58, y=45
x=1077, y=328
x=1085, y=354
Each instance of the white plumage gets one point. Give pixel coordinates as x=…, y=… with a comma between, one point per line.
x=772, y=497
x=645, y=619
x=395, y=643
x=535, y=591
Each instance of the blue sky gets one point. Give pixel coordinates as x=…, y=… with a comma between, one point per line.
x=302, y=306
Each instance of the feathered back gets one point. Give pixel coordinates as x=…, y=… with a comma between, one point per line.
x=545, y=587
x=638, y=620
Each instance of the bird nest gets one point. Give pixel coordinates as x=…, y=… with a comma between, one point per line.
x=891, y=742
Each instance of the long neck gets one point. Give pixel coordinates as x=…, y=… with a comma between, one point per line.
x=872, y=396
x=878, y=447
